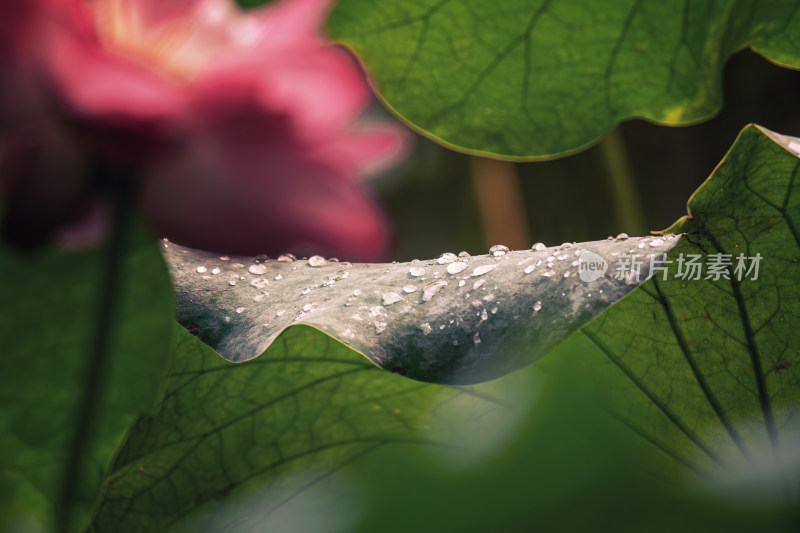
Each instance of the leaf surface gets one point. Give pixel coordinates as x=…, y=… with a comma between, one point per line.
x=538, y=79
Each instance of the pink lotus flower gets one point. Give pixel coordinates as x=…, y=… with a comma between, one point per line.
x=237, y=129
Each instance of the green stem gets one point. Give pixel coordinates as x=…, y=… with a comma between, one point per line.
x=97, y=363
x=627, y=204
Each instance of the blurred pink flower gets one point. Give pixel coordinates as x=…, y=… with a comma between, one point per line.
x=238, y=129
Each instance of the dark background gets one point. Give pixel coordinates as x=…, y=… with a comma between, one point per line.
x=431, y=197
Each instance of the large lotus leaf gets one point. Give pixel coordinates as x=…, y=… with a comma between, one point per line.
x=532, y=79
x=447, y=320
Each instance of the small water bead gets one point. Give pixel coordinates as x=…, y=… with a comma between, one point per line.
x=426, y=328
x=357, y=292
x=456, y=267
x=494, y=310
x=310, y=307
x=201, y=270
x=657, y=242
x=462, y=283
x=240, y=309
x=259, y=283
x=258, y=269
x=376, y=310
x=430, y=290
x=416, y=271
x=565, y=245
x=305, y=291
x=483, y=269
x=550, y=259
x=622, y=237
x=566, y=274
x=446, y=258
x=529, y=269
x=484, y=315
x=237, y=265
x=286, y=258
x=224, y=258
x=442, y=327
x=216, y=271
x=280, y=312
x=478, y=284
x=206, y=277
x=278, y=277
x=232, y=282
x=476, y=338
x=327, y=281
x=488, y=298
x=391, y=298
x=408, y=289
x=356, y=317
x=349, y=334
x=476, y=304
x=464, y=255
x=342, y=274
x=259, y=297
x=498, y=250
x=563, y=257
x=380, y=327
x=537, y=306
x=548, y=274
x=456, y=343
x=317, y=261
x=539, y=247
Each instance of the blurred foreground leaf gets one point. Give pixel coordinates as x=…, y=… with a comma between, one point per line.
x=537, y=79
x=86, y=344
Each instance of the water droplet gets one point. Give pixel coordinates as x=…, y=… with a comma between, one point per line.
x=357, y=292
x=232, y=282
x=426, y=328
x=259, y=297
x=357, y=317
x=565, y=245
x=224, y=258
x=478, y=284
x=657, y=242
x=494, y=310
x=216, y=271
x=488, y=298
x=287, y=258
x=240, y=309
x=537, y=306
x=538, y=247
x=476, y=303
x=462, y=283
x=446, y=258
x=310, y=307
x=278, y=277
x=237, y=265
x=342, y=274
x=498, y=250
x=305, y=291
x=566, y=274
x=456, y=343
x=455, y=268
x=259, y=283
x=227, y=319
x=408, y=289
x=441, y=327
x=416, y=271
x=622, y=237
x=464, y=255
x=562, y=257
x=484, y=315
x=317, y=261
x=349, y=334
x=430, y=290
x=483, y=269
x=380, y=327
x=529, y=269
x=391, y=298
x=201, y=270
x=257, y=269
x=376, y=310
x=476, y=338
x=548, y=274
